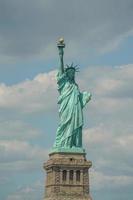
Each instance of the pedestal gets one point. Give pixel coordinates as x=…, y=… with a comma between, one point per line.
x=67, y=177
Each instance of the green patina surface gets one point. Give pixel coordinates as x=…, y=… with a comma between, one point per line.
x=71, y=103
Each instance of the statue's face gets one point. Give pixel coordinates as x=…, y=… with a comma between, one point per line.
x=71, y=74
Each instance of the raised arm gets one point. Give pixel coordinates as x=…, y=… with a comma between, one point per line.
x=61, y=45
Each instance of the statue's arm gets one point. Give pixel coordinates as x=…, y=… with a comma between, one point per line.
x=61, y=65
x=61, y=46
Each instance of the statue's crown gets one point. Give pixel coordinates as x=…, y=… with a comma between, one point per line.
x=74, y=67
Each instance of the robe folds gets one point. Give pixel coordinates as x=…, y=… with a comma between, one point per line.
x=71, y=102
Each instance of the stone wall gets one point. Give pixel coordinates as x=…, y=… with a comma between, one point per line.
x=67, y=176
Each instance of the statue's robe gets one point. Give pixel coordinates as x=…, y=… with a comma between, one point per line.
x=71, y=101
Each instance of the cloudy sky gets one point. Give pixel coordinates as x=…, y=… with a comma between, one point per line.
x=99, y=37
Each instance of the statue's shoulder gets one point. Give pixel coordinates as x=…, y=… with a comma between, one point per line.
x=60, y=77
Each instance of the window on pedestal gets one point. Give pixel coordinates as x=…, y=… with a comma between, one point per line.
x=78, y=175
x=71, y=175
x=64, y=175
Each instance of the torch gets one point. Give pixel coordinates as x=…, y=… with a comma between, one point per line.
x=60, y=46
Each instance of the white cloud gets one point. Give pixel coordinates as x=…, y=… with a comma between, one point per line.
x=126, y=142
x=108, y=85
x=111, y=88
x=17, y=129
x=104, y=136
x=20, y=155
x=110, y=148
x=34, y=192
x=114, y=43
x=30, y=95
x=97, y=135
x=101, y=181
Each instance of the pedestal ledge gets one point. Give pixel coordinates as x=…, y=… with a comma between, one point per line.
x=62, y=197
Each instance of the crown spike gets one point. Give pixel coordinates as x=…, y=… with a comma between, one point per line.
x=75, y=68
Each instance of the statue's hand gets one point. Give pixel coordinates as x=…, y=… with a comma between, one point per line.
x=61, y=52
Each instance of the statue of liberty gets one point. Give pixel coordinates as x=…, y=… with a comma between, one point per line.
x=71, y=103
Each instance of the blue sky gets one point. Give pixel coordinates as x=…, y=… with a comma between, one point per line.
x=99, y=37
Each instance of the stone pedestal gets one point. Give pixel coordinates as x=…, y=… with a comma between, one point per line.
x=67, y=177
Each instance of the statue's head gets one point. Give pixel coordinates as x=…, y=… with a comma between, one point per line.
x=70, y=71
